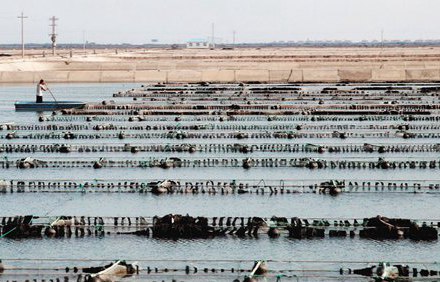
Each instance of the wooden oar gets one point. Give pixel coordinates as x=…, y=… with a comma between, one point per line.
x=52, y=95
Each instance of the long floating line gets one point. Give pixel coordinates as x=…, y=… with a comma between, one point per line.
x=246, y=163
x=219, y=187
x=250, y=118
x=218, y=135
x=219, y=260
x=216, y=127
x=221, y=221
x=244, y=148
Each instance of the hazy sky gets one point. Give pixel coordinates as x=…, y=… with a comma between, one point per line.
x=139, y=21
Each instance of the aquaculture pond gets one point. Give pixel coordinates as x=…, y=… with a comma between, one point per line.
x=221, y=182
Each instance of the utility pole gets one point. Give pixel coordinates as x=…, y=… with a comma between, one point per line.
x=212, y=37
x=381, y=38
x=53, y=35
x=84, y=42
x=22, y=17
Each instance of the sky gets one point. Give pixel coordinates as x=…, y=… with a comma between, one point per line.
x=176, y=21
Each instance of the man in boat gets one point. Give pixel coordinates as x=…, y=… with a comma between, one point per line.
x=41, y=87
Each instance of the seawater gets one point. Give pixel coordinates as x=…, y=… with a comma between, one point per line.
x=132, y=248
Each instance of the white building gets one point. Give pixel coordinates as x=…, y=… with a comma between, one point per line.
x=198, y=44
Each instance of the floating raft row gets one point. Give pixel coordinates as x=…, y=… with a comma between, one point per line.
x=238, y=118
x=218, y=127
x=220, y=135
x=142, y=269
x=218, y=186
x=278, y=88
x=261, y=112
x=306, y=95
x=221, y=221
x=288, y=99
x=410, y=96
x=275, y=89
x=223, y=148
x=187, y=227
x=337, y=163
x=245, y=108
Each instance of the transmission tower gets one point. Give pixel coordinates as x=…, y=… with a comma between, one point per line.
x=53, y=35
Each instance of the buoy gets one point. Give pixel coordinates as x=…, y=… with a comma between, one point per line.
x=97, y=165
x=273, y=232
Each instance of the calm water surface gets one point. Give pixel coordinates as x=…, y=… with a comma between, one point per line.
x=132, y=248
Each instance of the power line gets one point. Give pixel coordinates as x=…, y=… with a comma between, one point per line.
x=22, y=17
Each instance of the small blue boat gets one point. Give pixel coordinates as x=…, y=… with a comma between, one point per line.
x=48, y=106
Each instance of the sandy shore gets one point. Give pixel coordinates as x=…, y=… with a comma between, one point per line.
x=267, y=65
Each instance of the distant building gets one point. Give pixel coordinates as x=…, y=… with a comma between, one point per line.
x=198, y=44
